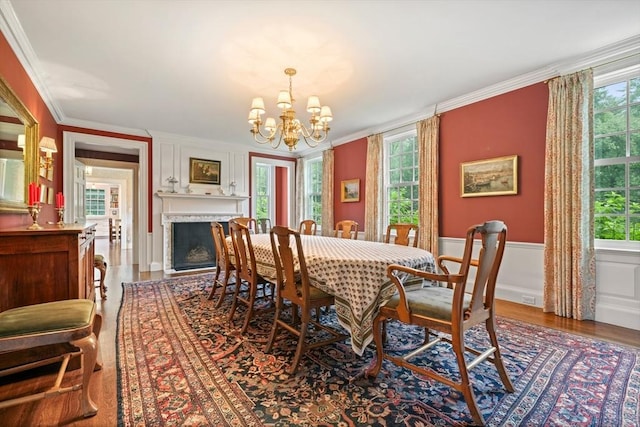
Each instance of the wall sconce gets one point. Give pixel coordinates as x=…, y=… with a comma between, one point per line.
x=48, y=146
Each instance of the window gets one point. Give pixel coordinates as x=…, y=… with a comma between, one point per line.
x=313, y=190
x=95, y=201
x=400, y=199
x=262, y=189
x=616, y=129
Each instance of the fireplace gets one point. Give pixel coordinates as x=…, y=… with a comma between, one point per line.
x=193, y=246
x=185, y=210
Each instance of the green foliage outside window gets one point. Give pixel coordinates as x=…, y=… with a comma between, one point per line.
x=313, y=199
x=617, y=160
x=262, y=191
x=402, y=186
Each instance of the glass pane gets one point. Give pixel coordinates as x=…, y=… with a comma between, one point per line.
x=610, y=227
x=613, y=121
x=635, y=143
x=634, y=119
x=394, y=162
x=608, y=147
x=634, y=174
x=608, y=202
x=634, y=228
x=394, y=177
x=634, y=201
x=610, y=176
x=394, y=148
x=634, y=90
x=407, y=175
x=609, y=96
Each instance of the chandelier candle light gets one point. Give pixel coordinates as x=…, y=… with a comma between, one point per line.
x=290, y=128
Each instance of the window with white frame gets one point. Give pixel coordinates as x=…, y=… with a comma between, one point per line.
x=616, y=129
x=313, y=190
x=262, y=190
x=95, y=202
x=400, y=197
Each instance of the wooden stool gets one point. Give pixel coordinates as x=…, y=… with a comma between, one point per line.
x=72, y=322
x=101, y=265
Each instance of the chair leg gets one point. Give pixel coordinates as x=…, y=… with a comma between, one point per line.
x=497, y=356
x=215, y=283
x=300, y=348
x=377, y=337
x=225, y=284
x=89, y=347
x=250, y=309
x=234, y=305
x=274, y=328
x=457, y=341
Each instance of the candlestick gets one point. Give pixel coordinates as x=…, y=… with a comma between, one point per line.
x=60, y=212
x=34, y=211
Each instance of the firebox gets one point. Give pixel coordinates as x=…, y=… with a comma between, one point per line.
x=192, y=246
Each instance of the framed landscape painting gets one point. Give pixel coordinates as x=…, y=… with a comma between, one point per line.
x=350, y=190
x=203, y=171
x=490, y=177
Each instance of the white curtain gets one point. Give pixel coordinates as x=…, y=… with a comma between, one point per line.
x=372, y=225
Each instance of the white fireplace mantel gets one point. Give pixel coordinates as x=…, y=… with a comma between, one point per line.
x=180, y=207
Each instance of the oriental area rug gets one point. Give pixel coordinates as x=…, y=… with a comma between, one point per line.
x=181, y=363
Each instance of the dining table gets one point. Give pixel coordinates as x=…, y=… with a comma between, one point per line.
x=353, y=271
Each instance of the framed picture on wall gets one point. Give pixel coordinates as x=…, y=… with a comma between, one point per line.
x=203, y=171
x=350, y=190
x=490, y=177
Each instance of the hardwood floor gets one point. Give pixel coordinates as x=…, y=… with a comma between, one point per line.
x=64, y=409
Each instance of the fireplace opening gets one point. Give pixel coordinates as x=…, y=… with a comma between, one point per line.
x=192, y=245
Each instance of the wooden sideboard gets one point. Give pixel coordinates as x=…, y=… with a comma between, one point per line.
x=51, y=264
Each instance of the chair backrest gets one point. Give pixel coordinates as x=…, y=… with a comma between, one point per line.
x=346, y=229
x=244, y=255
x=248, y=222
x=307, y=226
x=263, y=225
x=220, y=244
x=285, y=263
x=403, y=232
x=493, y=237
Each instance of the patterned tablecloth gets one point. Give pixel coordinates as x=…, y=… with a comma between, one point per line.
x=354, y=271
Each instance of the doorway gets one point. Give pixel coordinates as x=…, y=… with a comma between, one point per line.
x=137, y=210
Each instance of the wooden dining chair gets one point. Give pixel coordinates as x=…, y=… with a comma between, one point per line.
x=293, y=285
x=223, y=263
x=402, y=234
x=71, y=324
x=308, y=226
x=451, y=310
x=346, y=229
x=263, y=225
x=247, y=272
x=248, y=222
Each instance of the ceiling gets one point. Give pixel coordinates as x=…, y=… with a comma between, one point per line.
x=192, y=67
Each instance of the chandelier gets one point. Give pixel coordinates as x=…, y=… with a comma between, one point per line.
x=290, y=128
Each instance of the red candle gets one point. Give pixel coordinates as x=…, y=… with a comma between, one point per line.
x=32, y=193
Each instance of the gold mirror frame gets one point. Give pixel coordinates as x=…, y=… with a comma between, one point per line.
x=30, y=149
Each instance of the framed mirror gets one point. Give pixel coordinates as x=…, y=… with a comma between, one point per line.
x=18, y=151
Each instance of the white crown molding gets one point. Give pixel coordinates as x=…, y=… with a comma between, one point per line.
x=87, y=124
x=13, y=32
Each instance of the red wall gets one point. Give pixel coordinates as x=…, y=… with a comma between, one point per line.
x=508, y=124
x=350, y=162
x=282, y=197
x=16, y=77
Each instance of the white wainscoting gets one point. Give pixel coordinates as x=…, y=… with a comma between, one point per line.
x=521, y=279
